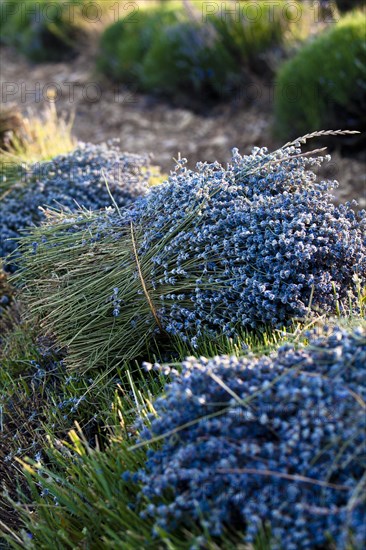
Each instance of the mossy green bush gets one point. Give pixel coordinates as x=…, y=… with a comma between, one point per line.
x=189, y=56
x=252, y=28
x=324, y=85
x=196, y=46
x=42, y=30
x=124, y=44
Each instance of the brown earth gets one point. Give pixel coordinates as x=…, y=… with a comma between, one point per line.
x=104, y=110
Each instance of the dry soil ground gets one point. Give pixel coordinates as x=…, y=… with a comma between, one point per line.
x=104, y=110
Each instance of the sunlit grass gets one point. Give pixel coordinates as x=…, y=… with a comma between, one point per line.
x=38, y=138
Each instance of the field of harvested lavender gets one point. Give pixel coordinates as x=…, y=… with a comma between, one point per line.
x=182, y=275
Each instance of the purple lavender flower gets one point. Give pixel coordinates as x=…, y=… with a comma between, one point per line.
x=272, y=441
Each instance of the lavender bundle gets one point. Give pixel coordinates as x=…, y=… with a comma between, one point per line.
x=206, y=253
x=270, y=442
x=68, y=182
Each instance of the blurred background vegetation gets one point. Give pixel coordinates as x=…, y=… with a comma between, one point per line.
x=197, y=54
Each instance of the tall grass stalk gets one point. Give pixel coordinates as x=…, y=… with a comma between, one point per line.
x=40, y=138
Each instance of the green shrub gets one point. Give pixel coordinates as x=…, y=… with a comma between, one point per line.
x=188, y=56
x=324, y=85
x=43, y=30
x=254, y=28
x=124, y=44
x=195, y=46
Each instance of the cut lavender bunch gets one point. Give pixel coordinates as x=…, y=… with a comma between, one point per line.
x=206, y=253
x=68, y=182
x=271, y=442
